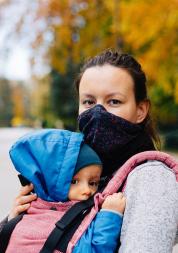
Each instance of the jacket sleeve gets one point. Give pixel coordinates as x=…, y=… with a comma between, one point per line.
x=151, y=217
x=102, y=235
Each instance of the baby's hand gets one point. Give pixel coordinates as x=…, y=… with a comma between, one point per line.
x=22, y=201
x=115, y=202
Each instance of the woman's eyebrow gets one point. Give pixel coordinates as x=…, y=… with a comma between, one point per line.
x=87, y=95
x=115, y=94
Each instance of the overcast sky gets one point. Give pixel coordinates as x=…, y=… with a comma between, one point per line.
x=14, y=62
x=16, y=65
x=14, y=56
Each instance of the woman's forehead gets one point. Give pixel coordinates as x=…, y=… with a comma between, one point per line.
x=105, y=78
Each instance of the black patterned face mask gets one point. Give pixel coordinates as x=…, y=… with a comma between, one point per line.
x=113, y=138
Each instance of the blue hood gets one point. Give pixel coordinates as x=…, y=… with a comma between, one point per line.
x=47, y=158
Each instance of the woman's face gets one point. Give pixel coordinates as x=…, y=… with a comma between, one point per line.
x=113, y=88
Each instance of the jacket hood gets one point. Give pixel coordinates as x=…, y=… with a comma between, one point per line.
x=47, y=158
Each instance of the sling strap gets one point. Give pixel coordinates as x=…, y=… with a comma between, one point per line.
x=6, y=232
x=64, y=241
x=77, y=211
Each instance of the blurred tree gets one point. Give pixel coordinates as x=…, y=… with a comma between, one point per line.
x=62, y=96
x=41, y=109
x=165, y=111
x=86, y=27
x=6, y=105
x=21, y=107
x=150, y=31
x=65, y=32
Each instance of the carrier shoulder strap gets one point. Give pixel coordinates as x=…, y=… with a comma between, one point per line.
x=6, y=232
x=76, y=212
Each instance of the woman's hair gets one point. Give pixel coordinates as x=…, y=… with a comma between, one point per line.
x=128, y=63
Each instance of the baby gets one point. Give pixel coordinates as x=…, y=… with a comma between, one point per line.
x=63, y=171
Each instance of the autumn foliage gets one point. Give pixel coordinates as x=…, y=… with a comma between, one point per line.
x=66, y=32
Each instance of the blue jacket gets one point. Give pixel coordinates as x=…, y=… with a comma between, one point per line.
x=102, y=236
x=47, y=158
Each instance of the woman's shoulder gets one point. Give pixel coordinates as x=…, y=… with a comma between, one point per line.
x=151, y=164
x=154, y=167
x=152, y=178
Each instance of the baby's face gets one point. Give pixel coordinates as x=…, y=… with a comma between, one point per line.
x=85, y=183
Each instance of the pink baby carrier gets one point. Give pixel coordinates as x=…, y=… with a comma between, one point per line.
x=118, y=181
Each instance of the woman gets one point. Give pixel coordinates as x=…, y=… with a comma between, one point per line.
x=114, y=115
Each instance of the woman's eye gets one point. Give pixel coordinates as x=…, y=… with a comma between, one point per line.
x=114, y=102
x=94, y=183
x=74, y=181
x=88, y=102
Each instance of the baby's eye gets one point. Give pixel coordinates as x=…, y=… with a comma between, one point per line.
x=114, y=102
x=94, y=183
x=74, y=181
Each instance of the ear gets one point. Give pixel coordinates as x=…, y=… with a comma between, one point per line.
x=142, y=110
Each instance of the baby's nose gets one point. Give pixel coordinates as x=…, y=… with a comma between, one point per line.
x=86, y=190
